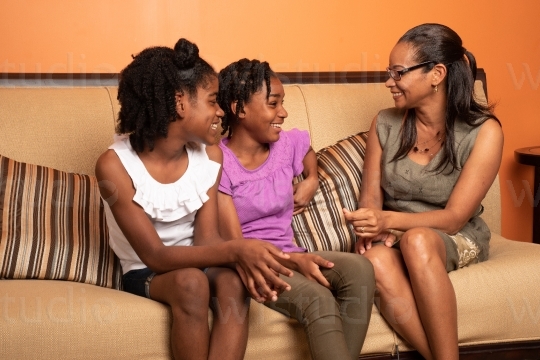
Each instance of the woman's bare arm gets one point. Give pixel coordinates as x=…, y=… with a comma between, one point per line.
x=371, y=194
x=476, y=177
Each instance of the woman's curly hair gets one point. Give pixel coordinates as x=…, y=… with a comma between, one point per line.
x=148, y=86
x=237, y=82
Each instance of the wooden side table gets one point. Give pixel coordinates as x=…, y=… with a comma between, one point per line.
x=531, y=156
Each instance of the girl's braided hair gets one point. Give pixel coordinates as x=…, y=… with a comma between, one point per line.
x=237, y=82
x=148, y=86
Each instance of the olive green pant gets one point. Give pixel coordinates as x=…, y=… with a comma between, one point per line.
x=335, y=321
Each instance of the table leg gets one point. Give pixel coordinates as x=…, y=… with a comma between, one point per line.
x=536, y=206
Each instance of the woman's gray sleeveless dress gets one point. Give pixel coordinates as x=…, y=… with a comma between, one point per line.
x=411, y=187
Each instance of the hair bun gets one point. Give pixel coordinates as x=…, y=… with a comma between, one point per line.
x=187, y=52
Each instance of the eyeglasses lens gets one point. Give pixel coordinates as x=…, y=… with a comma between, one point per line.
x=394, y=74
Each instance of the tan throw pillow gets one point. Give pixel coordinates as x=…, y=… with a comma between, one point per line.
x=322, y=226
x=53, y=227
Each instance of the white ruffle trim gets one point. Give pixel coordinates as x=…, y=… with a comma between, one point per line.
x=169, y=202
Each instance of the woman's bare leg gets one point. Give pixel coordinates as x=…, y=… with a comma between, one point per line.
x=424, y=254
x=230, y=304
x=187, y=292
x=397, y=303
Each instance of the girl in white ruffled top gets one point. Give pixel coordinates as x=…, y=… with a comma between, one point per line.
x=159, y=184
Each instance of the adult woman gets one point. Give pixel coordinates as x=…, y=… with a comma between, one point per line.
x=429, y=163
x=160, y=182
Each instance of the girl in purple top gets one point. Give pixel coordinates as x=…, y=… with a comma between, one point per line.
x=331, y=292
x=263, y=197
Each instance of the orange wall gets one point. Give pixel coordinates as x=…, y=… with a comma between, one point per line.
x=306, y=35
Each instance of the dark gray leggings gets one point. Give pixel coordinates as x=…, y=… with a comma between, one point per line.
x=336, y=321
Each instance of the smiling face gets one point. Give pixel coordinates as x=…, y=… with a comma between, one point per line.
x=415, y=87
x=200, y=113
x=263, y=117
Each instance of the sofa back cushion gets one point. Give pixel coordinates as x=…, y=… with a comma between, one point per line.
x=336, y=111
x=322, y=226
x=62, y=128
x=53, y=226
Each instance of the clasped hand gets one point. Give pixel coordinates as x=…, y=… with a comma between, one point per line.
x=259, y=270
x=369, y=226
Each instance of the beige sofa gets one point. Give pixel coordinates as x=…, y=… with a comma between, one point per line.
x=67, y=128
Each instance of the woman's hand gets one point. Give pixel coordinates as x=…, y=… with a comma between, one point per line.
x=303, y=193
x=364, y=244
x=366, y=222
x=370, y=226
x=309, y=265
x=259, y=270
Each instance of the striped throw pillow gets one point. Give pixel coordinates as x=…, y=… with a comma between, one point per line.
x=53, y=227
x=322, y=226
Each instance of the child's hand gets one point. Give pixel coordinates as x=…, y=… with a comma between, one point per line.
x=303, y=193
x=309, y=265
x=276, y=291
x=257, y=297
x=258, y=269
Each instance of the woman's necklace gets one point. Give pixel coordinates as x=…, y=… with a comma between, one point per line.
x=424, y=150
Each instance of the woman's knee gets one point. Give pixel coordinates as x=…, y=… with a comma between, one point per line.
x=420, y=246
x=382, y=258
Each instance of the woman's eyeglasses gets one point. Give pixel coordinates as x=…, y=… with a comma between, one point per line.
x=397, y=74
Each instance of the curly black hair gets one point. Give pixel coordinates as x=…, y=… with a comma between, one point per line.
x=237, y=82
x=148, y=86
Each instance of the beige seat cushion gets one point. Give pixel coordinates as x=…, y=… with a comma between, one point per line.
x=499, y=299
x=42, y=317
x=47, y=319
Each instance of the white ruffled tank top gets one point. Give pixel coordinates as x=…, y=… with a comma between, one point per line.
x=170, y=207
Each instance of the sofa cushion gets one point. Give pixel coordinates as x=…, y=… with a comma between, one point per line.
x=322, y=226
x=66, y=128
x=53, y=226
